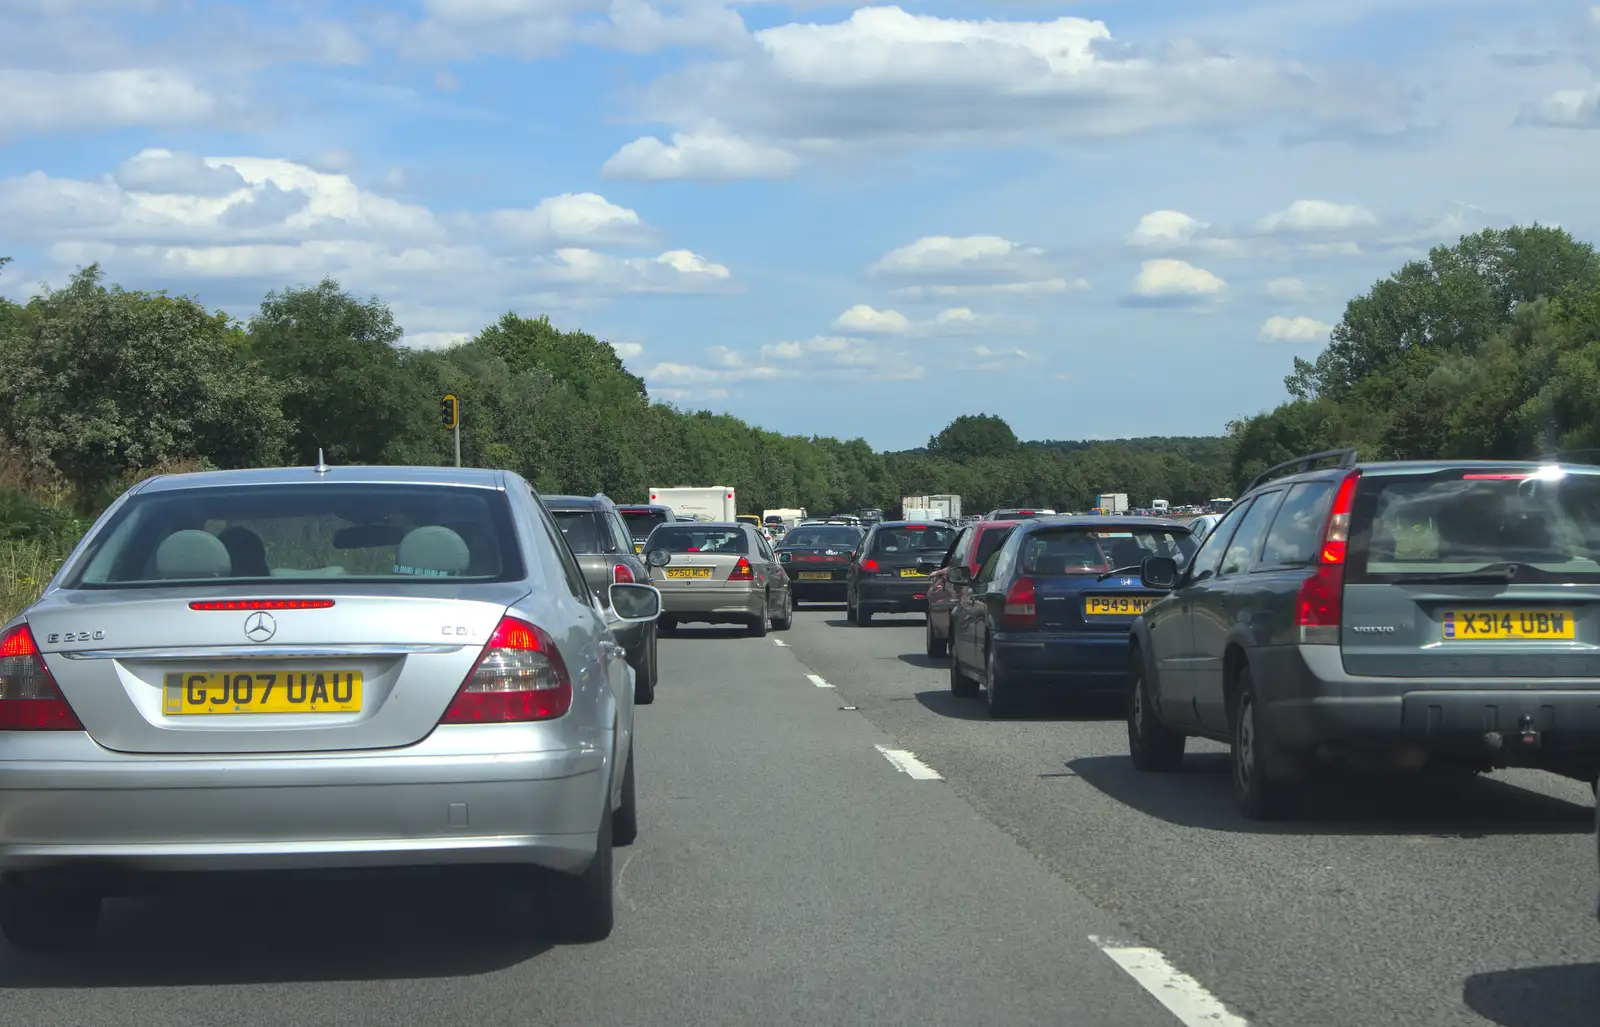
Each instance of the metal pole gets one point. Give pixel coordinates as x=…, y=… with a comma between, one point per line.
x=457, y=434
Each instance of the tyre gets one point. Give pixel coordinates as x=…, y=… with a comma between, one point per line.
x=756, y=627
x=581, y=907
x=1262, y=795
x=997, y=691
x=1154, y=746
x=644, y=676
x=39, y=918
x=785, y=620
x=625, y=818
x=937, y=646
x=961, y=686
x=863, y=617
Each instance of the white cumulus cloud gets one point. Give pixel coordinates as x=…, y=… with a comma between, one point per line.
x=1294, y=329
x=1317, y=216
x=1165, y=228
x=1169, y=282
x=692, y=156
x=586, y=218
x=864, y=318
x=55, y=101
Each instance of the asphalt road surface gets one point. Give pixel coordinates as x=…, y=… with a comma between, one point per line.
x=794, y=868
x=1433, y=901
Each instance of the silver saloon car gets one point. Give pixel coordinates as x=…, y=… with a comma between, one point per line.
x=316, y=668
x=718, y=573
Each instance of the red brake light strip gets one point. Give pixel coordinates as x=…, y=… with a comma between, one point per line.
x=261, y=604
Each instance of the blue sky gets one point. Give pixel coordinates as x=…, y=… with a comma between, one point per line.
x=1095, y=219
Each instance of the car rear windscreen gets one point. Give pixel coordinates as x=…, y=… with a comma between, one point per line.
x=822, y=538
x=641, y=522
x=327, y=532
x=583, y=531
x=1095, y=550
x=689, y=539
x=912, y=539
x=1547, y=523
x=988, y=542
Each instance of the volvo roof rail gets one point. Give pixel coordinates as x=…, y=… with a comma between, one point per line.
x=1343, y=458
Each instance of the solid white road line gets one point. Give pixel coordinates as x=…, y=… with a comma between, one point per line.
x=1184, y=997
x=907, y=763
x=816, y=679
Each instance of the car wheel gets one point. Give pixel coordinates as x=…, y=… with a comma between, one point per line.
x=785, y=620
x=961, y=686
x=936, y=644
x=655, y=664
x=1153, y=745
x=625, y=818
x=757, y=626
x=1261, y=796
x=41, y=918
x=582, y=907
x=997, y=690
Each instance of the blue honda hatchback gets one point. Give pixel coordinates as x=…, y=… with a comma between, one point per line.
x=1054, y=604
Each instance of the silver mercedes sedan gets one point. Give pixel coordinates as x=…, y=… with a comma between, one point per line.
x=317, y=668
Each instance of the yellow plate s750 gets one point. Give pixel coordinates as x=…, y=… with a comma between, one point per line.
x=231, y=692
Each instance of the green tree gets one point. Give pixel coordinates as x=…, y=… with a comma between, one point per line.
x=974, y=435
x=103, y=383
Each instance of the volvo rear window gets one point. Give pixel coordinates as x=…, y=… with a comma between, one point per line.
x=321, y=533
x=915, y=538
x=584, y=531
x=1545, y=525
x=689, y=539
x=822, y=538
x=641, y=522
x=1095, y=550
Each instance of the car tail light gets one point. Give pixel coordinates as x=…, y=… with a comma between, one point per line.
x=1321, y=600
x=519, y=677
x=1020, y=613
x=261, y=604
x=869, y=566
x=29, y=698
x=742, y=571
x=620, y=575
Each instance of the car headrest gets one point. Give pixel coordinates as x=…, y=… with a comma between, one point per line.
x=432, y=550
x=192, y=554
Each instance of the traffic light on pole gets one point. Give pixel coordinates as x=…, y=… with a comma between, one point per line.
x=449, y=412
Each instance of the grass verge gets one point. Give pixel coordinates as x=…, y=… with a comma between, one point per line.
x=26, y=565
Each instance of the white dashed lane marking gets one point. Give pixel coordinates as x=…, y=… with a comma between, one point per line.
x=817, y=679
x=1184, y=997
x=780, y=642
x=907, y=763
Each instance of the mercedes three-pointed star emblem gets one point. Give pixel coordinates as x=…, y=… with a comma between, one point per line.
x=260, y=627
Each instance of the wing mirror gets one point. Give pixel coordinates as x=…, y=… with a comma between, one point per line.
x=658, y=558
x=635, y=603
x=1158, y=572
x=959, y=575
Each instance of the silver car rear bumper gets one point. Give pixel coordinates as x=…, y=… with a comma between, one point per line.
x=71, y=803
x=713, y=601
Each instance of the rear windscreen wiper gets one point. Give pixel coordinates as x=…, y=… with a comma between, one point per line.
x=1493, y=574
x=1120, y=570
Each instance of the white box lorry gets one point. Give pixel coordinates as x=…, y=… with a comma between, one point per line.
x=930, y=508
x=709, y=503
x=1111, y=502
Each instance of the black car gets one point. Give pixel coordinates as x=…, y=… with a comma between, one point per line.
x=642, y=519
x=817, y=559
x=890, y=571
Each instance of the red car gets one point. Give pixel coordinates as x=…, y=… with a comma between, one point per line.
x=976, y=543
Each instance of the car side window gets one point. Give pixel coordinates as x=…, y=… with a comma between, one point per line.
x=1296, y=533
x=1211, y=549
x=762, y=547
x=1246, y=542
x=619, y=532
x=957, y=553
x=569, y=563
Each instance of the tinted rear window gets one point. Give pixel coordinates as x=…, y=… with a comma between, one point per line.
x=642, y=522
x=1295, y=537
x=1084, y=550
x=689, y=539
x=822, y=538
x=990, y=541
x=584, y=531
x=1465, y=520
x=325, y=532
x=916, y=538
